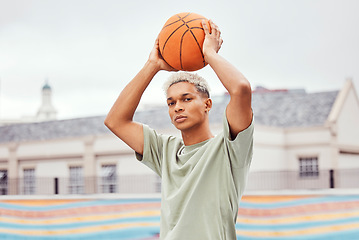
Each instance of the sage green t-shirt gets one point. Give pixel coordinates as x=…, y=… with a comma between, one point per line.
x=202, y=184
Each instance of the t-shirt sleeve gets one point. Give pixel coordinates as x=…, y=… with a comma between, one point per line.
x=152, y=149
x=240, y=149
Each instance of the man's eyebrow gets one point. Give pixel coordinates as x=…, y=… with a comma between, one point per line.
x=183, y=95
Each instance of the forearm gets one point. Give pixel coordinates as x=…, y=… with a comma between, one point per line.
x=232, y=79
x=238, y=111
x=126, y=104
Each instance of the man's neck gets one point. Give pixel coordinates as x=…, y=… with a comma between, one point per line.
x=196, y=135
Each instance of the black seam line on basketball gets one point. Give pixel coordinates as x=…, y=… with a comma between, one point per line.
x=199, y=46
x=204, y=62
x=171, y=23
x=197, y=28
x=181, y=48
x=184, y=23
x=170, y=37
x=179, y=19
x=184, y=16
x=195, y=19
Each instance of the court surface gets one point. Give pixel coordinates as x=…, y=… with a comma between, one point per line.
x=259, y=217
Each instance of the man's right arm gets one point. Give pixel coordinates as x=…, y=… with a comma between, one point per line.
x=120, y=118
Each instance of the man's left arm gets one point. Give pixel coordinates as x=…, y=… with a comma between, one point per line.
x=239, y=109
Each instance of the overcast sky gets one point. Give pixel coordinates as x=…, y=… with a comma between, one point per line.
x=90, y=49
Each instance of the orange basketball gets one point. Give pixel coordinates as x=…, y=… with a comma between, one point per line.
x=181, y=40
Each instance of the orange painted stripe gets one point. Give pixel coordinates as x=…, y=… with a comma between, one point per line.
x=41, y=202
x=299, y=219
x=78, y=211
x=301, y=209
x=273, y=199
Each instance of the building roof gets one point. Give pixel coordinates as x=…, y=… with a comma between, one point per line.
x=46, y=86
x=277, y=109
x=293, y=109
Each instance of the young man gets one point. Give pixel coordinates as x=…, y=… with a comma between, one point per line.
x=203, y=176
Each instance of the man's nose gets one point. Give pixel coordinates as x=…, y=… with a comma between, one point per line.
x=178, y=107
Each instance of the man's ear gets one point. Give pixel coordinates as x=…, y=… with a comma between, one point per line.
x=208, y=105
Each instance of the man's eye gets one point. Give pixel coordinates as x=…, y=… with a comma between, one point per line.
x=187, y=99
x=170, y=103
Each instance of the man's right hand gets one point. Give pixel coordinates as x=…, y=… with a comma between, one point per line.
x=157, y=59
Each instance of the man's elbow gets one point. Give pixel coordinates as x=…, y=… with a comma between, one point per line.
x=116, y=124
x=109, y=123
x=243, y=88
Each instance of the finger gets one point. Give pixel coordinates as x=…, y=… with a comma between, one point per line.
x=220, y=44
x=157, y=43
x=212, y=25
x=205, y=27
x=215, y=28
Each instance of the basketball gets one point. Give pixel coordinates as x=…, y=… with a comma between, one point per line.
x=181, y=40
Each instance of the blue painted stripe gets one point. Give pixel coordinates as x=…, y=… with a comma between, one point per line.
x=299, y=202
x=296, y=225
x=337, y=235
x=82, y=224
x=120, y=234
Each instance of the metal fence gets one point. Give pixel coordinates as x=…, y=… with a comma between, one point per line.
x=292, y=180
x=88, y=185
x=133, y=184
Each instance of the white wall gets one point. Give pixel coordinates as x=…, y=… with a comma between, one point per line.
x=53, y=148
x=348, y=122
x=300, y=137
x=268, y=152
x=4, y=152
x=348, y=161
x=110, y=144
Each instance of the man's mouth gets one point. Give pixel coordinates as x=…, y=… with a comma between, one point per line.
x=180, y=118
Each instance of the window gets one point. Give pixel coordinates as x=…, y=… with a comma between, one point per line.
x=29, y=181
x=308, y=167
x=109, y=178
x=3, y=182
x=76, y=180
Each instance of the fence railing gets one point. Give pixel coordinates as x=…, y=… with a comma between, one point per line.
x=87, y=185
x=151, y=183
x=292, y=180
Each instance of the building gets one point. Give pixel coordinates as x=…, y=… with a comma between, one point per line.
x=46, y=111
x=312, y=140
x=302, y=141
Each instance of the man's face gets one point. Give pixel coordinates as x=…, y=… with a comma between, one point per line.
x=186, y=106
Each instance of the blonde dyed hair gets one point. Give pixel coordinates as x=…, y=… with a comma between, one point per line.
x=199, y=82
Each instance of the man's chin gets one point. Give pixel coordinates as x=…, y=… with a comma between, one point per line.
x=180, y=126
